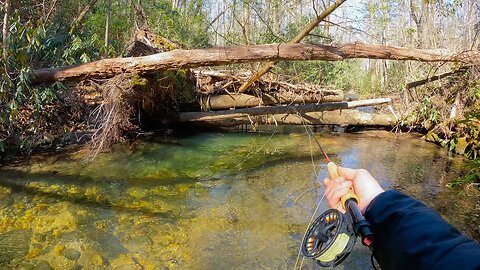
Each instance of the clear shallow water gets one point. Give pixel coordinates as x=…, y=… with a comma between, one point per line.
x=204, y=201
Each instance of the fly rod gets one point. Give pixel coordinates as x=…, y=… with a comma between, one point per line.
x=331, y=237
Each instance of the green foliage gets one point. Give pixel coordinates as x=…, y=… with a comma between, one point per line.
x=186, y=26
x=473, y=175
x=269, y=37
x=81, y=50
x=425, y=116
x=15, y=90
x=33, y=44
x=345, y=74
x=342, y=74
x=348, y=75
x=233, y=38
x=470, y=127
x=428, y=113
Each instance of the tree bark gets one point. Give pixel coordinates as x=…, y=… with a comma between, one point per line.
x=243, y=100
x=304, y=32
x=327, y=21
x=6, y=8
x=179, y=59
x=435, y=78
x=247, y=9
x=418, y=19
x=107, y=25
x=343, y=117
x=247, y=112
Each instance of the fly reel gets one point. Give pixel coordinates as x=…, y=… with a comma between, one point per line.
x=330, y=238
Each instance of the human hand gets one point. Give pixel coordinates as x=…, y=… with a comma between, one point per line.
x=364, y=186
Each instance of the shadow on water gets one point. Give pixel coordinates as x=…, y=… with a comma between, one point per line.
x=26, y=187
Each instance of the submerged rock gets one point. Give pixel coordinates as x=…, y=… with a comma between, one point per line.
x=76, y=267
x=71, y=254
x=90, y=259
x=14, y=244
x=124, y=262
x=107, y=243
x=25, y=266
x=4, y=191
x=42, y=265
x=58, y=220
x=139, y=241
x=6, y=201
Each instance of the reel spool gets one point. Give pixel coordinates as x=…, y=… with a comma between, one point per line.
x=330, y=238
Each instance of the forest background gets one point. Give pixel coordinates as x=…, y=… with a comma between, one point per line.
x=50, y=33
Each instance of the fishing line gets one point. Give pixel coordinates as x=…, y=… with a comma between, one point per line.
x=331, y=237
x=314, y=171
x=306, y=231
x=310, y=142
x=316, y=177
x=258, y=150
x=299, y=197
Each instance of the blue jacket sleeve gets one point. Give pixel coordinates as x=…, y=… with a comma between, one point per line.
x=410, y=235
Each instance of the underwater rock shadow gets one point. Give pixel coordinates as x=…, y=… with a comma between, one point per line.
x=80, y=199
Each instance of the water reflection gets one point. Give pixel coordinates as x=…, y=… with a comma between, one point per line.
x=209, y=200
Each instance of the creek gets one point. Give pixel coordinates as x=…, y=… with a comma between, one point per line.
x=205, y=200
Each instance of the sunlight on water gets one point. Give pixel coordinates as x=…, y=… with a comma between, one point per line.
x=204, y=201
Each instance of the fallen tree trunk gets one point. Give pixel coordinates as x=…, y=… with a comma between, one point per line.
x=216, y=102
x=300, y=109
x=343, y=117
x=436, y=77
x=179, y=59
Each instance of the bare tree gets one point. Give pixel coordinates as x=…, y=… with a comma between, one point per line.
x=107, y=24
x=304, y=32
x=6, y=10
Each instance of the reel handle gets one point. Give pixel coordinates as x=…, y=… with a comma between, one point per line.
x=332, y=170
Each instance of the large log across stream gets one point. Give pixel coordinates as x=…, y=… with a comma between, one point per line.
x=179, y=59
x=341, y=117
x=273, y=110
x=243, y=100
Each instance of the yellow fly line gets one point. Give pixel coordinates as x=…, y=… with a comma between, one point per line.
x=335, y=249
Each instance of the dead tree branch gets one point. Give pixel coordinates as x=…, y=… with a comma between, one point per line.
x=179, y=59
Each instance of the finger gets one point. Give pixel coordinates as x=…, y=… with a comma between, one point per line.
x=326, y=181
x=334, y=204
x=347, y=173
x=337, y=205
x=339, y=192
x=333, y=184
x=336, y=193
x=329, y=184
